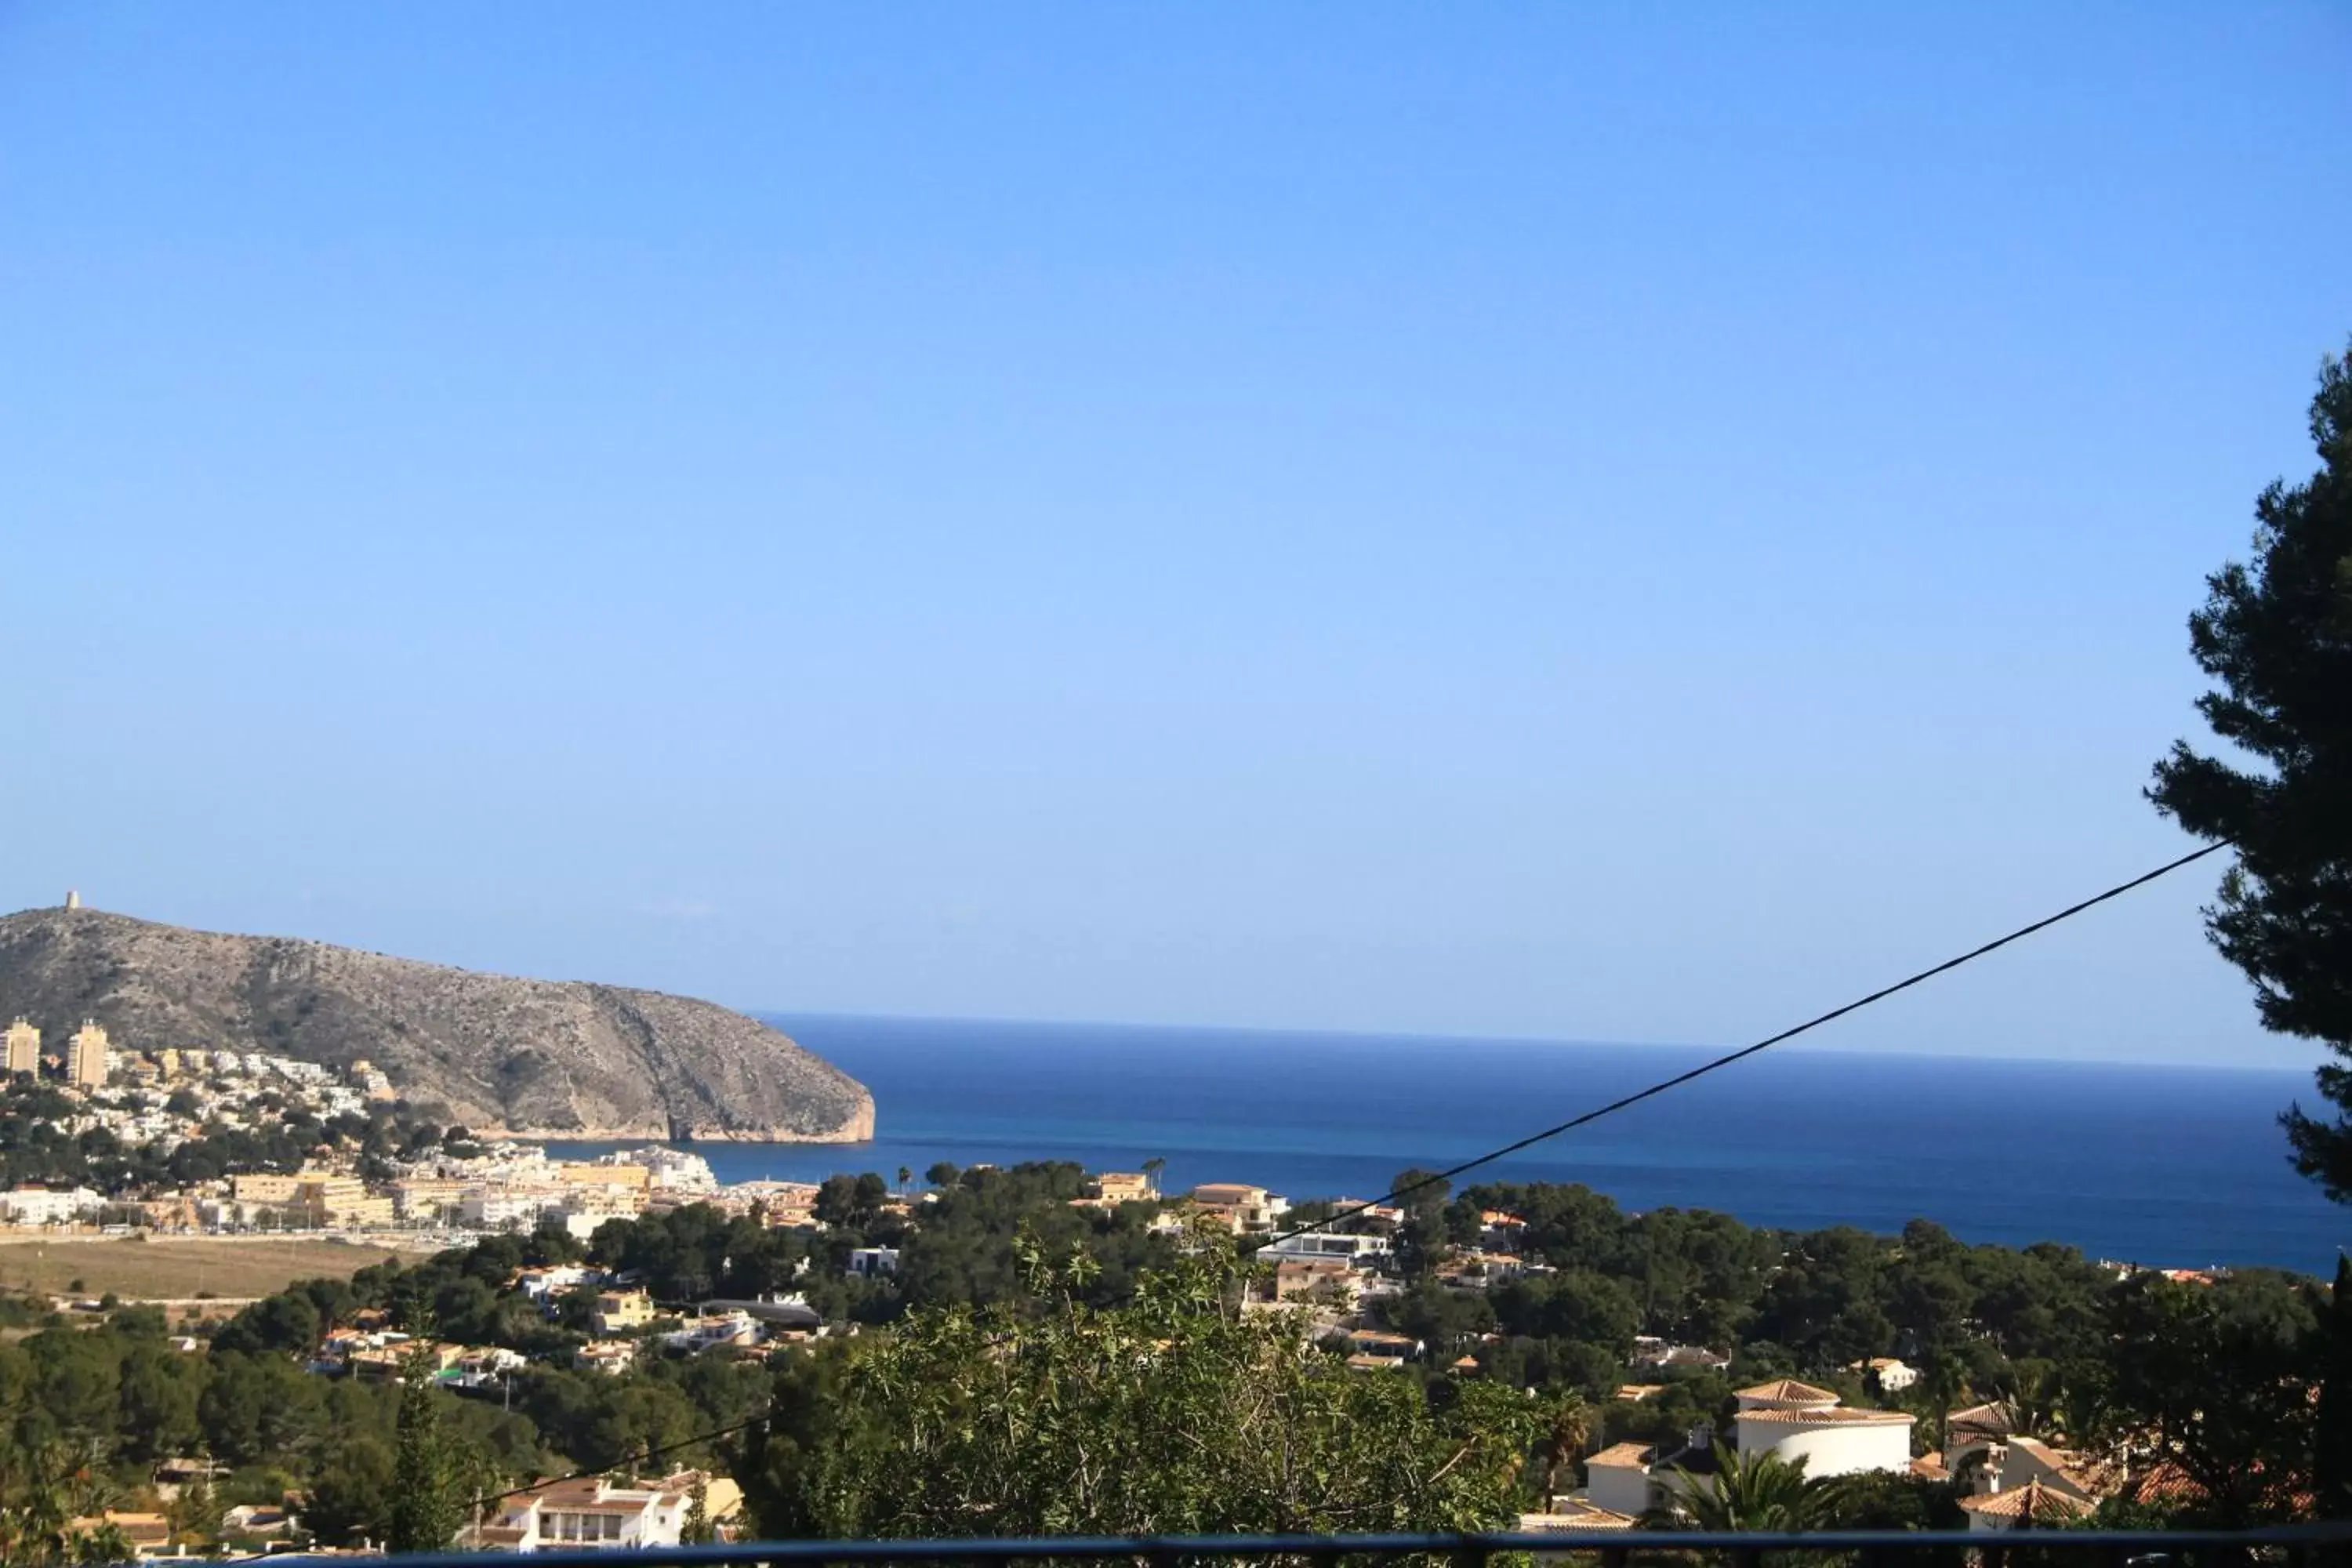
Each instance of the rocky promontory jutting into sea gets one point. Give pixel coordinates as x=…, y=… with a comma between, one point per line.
x=500, y=1055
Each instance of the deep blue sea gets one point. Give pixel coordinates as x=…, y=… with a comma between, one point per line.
x=2176, y=1166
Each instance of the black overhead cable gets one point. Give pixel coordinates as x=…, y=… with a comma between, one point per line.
x=1432, y=1178
x=1487, y=1159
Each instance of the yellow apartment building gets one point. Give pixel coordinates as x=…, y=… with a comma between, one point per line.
x=86, y=1058
x=24, y=1045
x=328, y=1199
x=618, y=1311
x=1125, y=1187
x=639, y=1178
x=264, y=1187
x=426, y=1198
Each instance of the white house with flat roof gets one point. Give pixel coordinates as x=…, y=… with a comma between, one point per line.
x=1329, y=1244
x=39, y=1206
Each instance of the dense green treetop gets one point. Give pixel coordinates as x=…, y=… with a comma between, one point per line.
x=1177, y=1413
x=2275, y=632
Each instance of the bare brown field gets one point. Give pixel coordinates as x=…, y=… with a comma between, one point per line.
x=177, y=1268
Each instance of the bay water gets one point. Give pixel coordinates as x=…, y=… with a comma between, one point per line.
x=2162, y=1165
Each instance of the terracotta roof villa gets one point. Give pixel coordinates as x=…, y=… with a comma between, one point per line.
x=1796, y=1421
x=2030, y=1504
x=595, y=1512
x=1786, y=1394
x=1830, y=1416
x=1977, y=1422
x=1570, y=1514
x=1621, y=1454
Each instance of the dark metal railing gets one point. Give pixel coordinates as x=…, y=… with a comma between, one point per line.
x=2291, y=1546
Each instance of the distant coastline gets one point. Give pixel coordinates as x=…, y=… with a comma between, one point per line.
x=631, y=1137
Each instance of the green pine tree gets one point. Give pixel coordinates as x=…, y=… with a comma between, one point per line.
x=1178, y=1412
x=196, y=1513
x=427, y=1502
x=2276, y=633
x=699, y=1529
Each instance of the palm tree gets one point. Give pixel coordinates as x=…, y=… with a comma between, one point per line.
x=1752, y=1491
x=44, y=1493
x=1942, y=1389
x=107, y=1543
x=1567, y=1427
x=905, y=1175
x=2032, y=1398
x=90, y=1489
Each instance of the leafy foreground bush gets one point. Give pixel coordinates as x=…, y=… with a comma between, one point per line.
x=1181, y=1413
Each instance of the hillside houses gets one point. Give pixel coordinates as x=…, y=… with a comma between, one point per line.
x=1651, y=1352
x=600, y=1513
x=1796, y=1421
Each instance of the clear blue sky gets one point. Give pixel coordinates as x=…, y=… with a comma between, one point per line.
x=1569, y=520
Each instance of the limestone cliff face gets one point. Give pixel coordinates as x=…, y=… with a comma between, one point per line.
x=557, y=1058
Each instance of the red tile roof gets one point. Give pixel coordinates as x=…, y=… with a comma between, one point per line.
x=1788, y=1391
x=1621, y=1454
x=2031, y=1501
x=1833, y=1416
x=1576, y=1516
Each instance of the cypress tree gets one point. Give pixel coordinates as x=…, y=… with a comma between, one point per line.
x=427, y=1507
x=699, y=1530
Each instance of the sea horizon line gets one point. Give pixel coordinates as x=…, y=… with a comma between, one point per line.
x=1261, y=1031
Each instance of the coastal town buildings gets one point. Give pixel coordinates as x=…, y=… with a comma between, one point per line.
x=1571, y=1515
x=1319, y=1244
x=41, y=1206
x=265, y=1188
x=325, y=1198
x=631, y=1181
x=1887, y=1373
x=610, y=1356
x=425, y=1200
x=1331, y=1280
x=718, y=1331
x=507, y=1206
x=2031, y=1506
x=1795, y=1421
x=618, y=1311
x=1126, y=1187
x=87, y=1057
x=23, y=1048
x=598, y=1512
x=1245, y=1209
x=1622, y=1478
x=1649, y=1350
x=162, y=1098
